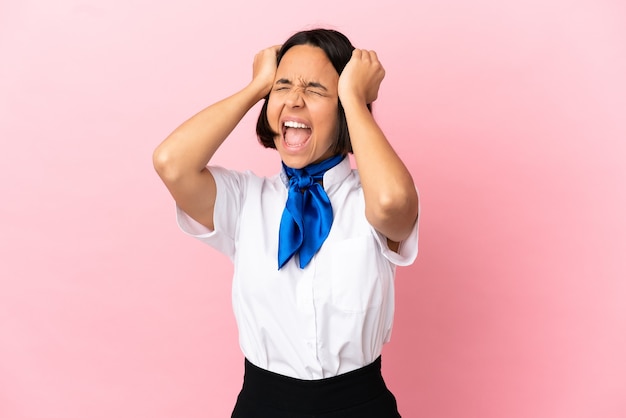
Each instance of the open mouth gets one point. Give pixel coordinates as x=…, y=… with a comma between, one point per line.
x=295, y=134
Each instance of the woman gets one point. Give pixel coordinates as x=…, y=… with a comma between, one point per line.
x=315, y=246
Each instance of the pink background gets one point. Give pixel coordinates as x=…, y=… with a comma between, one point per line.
x=510, y=114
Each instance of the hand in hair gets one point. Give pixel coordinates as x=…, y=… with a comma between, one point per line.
x=361, y=77
x=264, y=68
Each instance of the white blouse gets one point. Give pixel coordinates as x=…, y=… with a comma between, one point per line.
x=321, y=321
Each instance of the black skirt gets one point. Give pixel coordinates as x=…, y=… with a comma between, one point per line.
x=361, y=393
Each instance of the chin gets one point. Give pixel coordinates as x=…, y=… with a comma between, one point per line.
x=295, y=161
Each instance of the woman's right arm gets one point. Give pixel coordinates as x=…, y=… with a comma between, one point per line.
x=181, y=159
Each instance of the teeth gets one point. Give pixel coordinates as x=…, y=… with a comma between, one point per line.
x=292, y=124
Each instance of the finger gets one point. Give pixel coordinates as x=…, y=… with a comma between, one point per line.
x=373, y=56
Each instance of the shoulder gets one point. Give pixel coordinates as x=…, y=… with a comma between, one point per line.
x=243, y=179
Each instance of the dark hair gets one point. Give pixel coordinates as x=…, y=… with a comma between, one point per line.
x=338, y=49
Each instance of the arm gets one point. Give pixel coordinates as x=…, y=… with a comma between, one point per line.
x=391, y=202
x=181, y=159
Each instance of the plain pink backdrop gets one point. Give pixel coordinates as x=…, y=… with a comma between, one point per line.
x=510, y=115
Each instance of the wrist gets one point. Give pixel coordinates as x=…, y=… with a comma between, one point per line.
x=258, y=89
x=353, y=102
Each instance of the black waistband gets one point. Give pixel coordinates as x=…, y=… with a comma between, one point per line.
x=352, y=388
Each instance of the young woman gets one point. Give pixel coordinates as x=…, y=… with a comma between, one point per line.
x=315, y=246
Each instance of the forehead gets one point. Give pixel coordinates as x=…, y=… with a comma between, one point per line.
x=306, y=62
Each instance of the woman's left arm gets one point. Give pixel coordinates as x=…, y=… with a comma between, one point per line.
x=391, y=202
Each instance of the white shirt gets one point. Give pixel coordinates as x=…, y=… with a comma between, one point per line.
x=327, y=319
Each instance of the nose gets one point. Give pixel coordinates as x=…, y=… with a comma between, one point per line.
x=294, y=98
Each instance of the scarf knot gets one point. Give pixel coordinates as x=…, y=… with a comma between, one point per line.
x=301, y=182
x=308, y=214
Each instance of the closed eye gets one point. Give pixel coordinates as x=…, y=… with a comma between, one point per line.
x=282, y=84
x=317, y=93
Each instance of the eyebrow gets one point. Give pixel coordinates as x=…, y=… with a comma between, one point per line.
x=309, y=84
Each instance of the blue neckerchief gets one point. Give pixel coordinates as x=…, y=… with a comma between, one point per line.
x=308, y=215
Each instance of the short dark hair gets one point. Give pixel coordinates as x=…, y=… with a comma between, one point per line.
x=338, y=49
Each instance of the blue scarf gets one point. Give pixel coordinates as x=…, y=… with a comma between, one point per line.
x=308, y=215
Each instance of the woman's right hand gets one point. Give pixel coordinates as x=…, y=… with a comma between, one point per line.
x=264, y=68
x=182, y=158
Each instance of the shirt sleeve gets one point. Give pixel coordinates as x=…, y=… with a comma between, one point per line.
x=228, y=203
x=407, y=252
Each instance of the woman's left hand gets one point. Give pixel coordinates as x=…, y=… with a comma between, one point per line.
x=361, y=77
